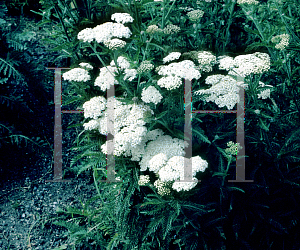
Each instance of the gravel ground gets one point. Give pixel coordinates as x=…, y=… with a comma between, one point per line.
x=27, y=201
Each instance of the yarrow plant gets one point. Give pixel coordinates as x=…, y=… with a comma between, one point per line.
x=170, y=45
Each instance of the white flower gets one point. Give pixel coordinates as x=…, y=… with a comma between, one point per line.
x=122, y=18
x=184, y=69
x=157, y=162
x=256, y=63
x=87, y=66
x=86, y=35
x=226, y=62
x=92, y=124
x=130, y=74
x=185, y=186
x=171, y=29
x=103, y=32
x=206, y=61
x=170, y=82
x=172, y=56
x=129, y=129
x=122, y=62
x=151, y=94
x=162, y=188
x=162, y=144
x=195, y=15
x=106, y=78
x=281, y=40
x=145, y=66
x=106, y=31
x=152, y=29
x=233, y=148
x=77, y=75
x=115, y=44
x=174, y=169
x=144, y=179
x=120, y=31
x=264, y=94
x=224, y=91
x=94, y=107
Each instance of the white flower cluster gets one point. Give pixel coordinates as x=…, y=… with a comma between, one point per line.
x=157, y=162
x=94, y=107
x=171, y=29
x=244, y=65
x=282, y=41
x=171, y=169
x=175, y=71
x=104, y=33
x=122, y=18
x=86, y=35
x=144, y=179
x=151, y=94
x=122, y=62
x=185, y=186
x=195, y=15
x=115, y=43
x=206, y=61
x=233, y=148
x=254, y=2
x=106, y=78
x=92, y=124
x=162, y=144
x=77, y=75
x=174, y=169
x=152, y=29
x=129, y=129
x=145, y=66
x=224, y=90
x=264, y=94
x=87, y=66
x=170, y=82
x=162, y=187
x=171, y=57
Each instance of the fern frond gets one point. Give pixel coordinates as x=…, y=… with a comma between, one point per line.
x=8, y=68
x=16, y=45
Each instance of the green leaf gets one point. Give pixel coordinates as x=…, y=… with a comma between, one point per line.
x=263, y=125
x=235, y=189
x=201, y=136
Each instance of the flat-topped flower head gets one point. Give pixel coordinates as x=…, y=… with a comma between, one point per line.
x=282, y=41
x=224, y=90
x=153, y=29
x=244, y=65
x=143, y=180
x=94, y=107
x=115, y=44
x=76, y=75
x=171, y=29
x=86, y=66
x=86, y=35
x=151, y=94
x=206, y=61
x=171, y=57
x=195, y=15
x=122, y=18
x=106, y=79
